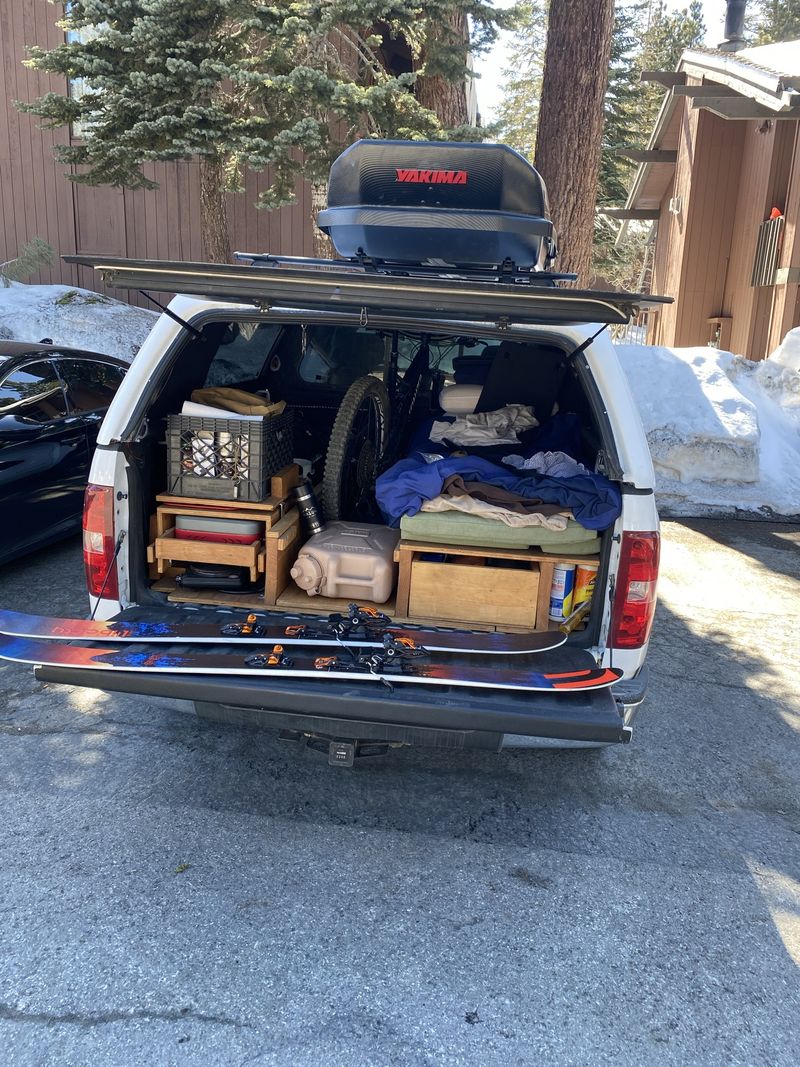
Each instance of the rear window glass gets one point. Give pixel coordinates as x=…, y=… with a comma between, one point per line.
x=324, y=356
x=335, y=356
x=243, y=353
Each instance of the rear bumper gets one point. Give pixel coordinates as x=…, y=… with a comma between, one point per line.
x=630, y=691
x=468, y=717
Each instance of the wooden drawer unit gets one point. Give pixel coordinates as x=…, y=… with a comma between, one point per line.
x=501, y=593
x=272, y=556
x=514, y=595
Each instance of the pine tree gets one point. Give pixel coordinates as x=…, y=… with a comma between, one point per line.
x=29, y=259
x=666, y=35
x=776, y=20
x=243, y=84
x=619, y=265
x=570, y=124
x=646, y=37
x=518, y=114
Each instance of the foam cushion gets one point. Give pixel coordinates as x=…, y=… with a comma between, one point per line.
x=456, y=528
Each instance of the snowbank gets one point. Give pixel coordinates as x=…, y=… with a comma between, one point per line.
x=724, y=432
x=788, y=353
x=698, y=425
x=74, y=317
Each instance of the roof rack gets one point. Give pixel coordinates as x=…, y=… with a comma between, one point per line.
x=506, y=272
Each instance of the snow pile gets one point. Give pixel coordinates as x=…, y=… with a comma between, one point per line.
x=698, y=425
x=724, y=432
x=77, y=318
x=788, y=353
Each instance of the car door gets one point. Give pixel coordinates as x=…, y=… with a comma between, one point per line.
x=43, y=458
x=90, y=385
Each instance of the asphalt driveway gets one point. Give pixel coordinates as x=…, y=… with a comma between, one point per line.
x=174, y=892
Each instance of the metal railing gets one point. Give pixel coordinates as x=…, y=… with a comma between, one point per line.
x=633, y=332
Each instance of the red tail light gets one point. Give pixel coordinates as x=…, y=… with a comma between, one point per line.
x=635, y=595
x=98, y=542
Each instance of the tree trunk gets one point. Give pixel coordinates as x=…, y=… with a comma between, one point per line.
x=213, y=214
x=446, y=99
x=323, y=248
x=571, y=123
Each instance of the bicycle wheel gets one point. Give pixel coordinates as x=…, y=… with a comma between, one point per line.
x=355, y=452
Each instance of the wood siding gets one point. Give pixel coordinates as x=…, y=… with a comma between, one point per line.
x=766, y=157
x=37, y=198
x=786, y=310
x=693, y=245
x=708, y=207
x=728, y=176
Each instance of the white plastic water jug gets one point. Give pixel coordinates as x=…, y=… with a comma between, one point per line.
x=353, y=560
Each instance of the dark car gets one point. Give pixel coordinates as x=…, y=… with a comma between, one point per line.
x=52, y=402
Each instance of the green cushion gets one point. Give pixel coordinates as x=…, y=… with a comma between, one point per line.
x=456, y=528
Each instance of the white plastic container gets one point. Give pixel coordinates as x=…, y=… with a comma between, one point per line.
x=459, y=399
x=348, y=560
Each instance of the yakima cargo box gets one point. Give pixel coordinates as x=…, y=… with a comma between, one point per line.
x=440, y=202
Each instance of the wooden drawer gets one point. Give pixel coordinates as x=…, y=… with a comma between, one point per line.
x=273, y=558
x=458, y=592
x=168, y=547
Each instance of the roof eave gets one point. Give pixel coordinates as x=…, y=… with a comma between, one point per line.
x=766, y=87
x=662, y=122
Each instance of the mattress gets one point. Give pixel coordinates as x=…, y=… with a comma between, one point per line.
x=456, y=528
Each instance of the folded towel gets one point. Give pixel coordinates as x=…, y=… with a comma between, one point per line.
x=239, y=401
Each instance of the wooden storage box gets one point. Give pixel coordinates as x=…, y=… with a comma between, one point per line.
x=481, y=595
x=500, y=595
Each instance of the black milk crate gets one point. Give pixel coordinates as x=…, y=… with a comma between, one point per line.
x=227, y=459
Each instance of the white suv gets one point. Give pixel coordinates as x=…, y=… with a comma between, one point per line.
x=306, y=331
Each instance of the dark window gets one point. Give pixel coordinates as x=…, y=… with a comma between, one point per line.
x=335, y=356
x=90, y=384
x=33, y=392
x=242, y=353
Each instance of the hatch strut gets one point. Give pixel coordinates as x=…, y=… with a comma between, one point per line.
x=181, y=322
x=585, y=344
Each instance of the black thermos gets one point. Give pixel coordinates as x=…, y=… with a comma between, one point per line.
x=309, y=508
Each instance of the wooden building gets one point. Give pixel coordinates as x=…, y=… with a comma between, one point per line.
x=720, y=180
x=37, y=199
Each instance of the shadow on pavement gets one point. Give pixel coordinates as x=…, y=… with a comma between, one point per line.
x=642, y=898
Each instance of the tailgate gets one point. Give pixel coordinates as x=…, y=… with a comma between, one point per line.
x=589, y=716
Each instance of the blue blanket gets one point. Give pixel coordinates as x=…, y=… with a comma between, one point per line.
x=593, y=499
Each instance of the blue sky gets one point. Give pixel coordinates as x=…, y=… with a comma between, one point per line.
x=490, y=66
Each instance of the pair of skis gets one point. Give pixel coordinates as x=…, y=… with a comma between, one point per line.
x=368, y=647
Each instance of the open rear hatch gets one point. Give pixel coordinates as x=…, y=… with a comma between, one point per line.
x=525, y=298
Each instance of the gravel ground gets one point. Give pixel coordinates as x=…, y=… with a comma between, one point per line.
x=176, y=892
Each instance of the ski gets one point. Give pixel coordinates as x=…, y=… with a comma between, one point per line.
x=359, y=628
x=394, y=663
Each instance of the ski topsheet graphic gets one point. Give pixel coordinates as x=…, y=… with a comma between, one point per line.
x=394, y=663
x=360, y=628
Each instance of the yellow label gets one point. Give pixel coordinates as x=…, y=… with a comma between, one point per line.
x=585, y=579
